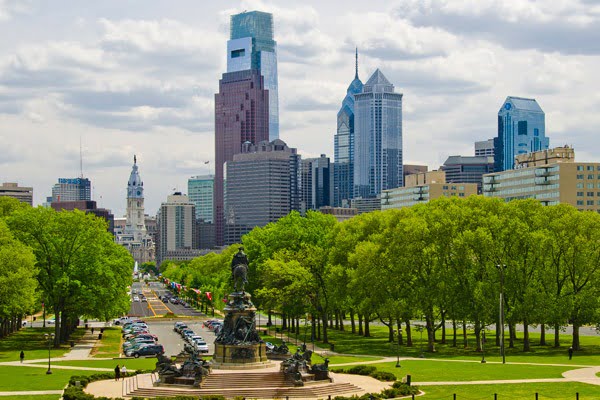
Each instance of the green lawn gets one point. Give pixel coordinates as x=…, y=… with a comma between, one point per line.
x=378, y=344
x=110, y=345
x=554, y=391
x=33, y=344
x=38, y=397
x=30, y=378
x=132, y=364
x=439, y=371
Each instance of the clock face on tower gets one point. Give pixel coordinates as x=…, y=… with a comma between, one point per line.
x=507, y=106
x=139, y=193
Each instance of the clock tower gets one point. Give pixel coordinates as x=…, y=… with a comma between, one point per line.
x=135, y=205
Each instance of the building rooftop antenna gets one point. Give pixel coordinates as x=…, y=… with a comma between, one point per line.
x=80, y=159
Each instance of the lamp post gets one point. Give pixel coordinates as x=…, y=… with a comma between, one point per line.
x=398, y=349
x=501, y=268
x=50, y=339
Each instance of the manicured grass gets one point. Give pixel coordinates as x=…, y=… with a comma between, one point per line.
x=378, y=344
x=110, y=345
x=33, y=344
x=439, y=371
x=30, y=378
x=132, y=364
x=38, y=397
x=554, y=391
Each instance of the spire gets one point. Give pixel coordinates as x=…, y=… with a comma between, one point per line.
x=134, y=159
x=356, y=64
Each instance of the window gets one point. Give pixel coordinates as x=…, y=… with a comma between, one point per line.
x=238, y=53
x=580, y=185
x=522, y=128
x=590, y=167
x=579, y=194
x=590, y=194
x=461, y=195
x=579, y=202
x=536, y=132
x=580, y=168
x=590, y=202
x=579, y=176
x=590, y=185
x=590, y=176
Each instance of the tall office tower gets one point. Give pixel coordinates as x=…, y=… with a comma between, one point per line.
x=377, y=137
x=88, y=207
x=135, y=236
x=343, y=167
x=463, y=169
x=315, y=179
x=251, y=47
x=484, y=148
x=262, y=186
x=241, y=115
x=200, y=192
x=521, y=130
x=72, y=189
x=177, y=238
x=21, y=193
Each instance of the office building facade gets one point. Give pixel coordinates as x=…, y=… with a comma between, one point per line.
x=464, y=169
x=177, y=237
x=22, y=193
x=521, y=130
x=484, y=148
x=315, y=179
x=343, y=168
x=252, y=47
x=262, y=186
x=72, y=189
x=377, y=137
x=88, y=207
x=200, y=192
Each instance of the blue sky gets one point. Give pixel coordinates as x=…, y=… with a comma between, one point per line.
x=138, y=77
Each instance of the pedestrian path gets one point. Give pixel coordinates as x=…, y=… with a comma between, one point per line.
x=31, y=393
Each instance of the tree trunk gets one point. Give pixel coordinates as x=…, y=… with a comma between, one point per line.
x=342, y=316
x=430, y=332
x=57, y=325
x=543, y=334
x=576, y=345
x=498, y=332
x=269, y=322
x=352, y=323
x=399, y=328
x=325, y=318
x=556, y=335
x=409, y=341
x=391, y=331
x=337, y=319
x=318, y=328
x=283, y=322
x=443, y=327
x=313, y=328
x=465, y=340
x=511, y=336
x=477, y=328
x=453, y=332
x=526, y=345
x=367, y=329
x=360, y=324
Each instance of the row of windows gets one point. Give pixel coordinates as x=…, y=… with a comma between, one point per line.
x=587, y=167
x=588, y=203
x=589, y=194
x=589, y=176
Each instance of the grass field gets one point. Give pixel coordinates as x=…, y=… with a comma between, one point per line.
x=38, y=397
x=110, y=345
x=30, y=378
x=33, y=344
x=546, y=391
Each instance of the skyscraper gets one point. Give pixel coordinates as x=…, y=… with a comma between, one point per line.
x=377, y=137
x=177, y=238
x=200, y=192
x=315, y=180
x=521, y=130
x=343, y=168
x=251, y=46
x=262, y=186
x=72, y=189
x=21, y=193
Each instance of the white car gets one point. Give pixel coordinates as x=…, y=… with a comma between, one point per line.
x=200, y=346
x=136, y=298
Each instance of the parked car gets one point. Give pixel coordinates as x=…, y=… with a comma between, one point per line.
x=150, y=350
x=200, y=346
x=136, y=298
x=185, y=332
x=193, y=338
x=129, y=352
x=122, y=321
x=179, y=325
x=128, y=345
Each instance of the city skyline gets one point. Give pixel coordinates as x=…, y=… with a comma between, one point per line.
x=139, y=80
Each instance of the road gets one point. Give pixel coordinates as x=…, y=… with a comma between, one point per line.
x=154, y=306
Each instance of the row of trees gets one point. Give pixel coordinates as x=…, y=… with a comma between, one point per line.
x=442, y=261
x=66, y=260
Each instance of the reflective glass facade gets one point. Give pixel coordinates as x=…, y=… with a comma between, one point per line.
x=200, y=192
x=521, y=130
x=72, y=189
x=377, y=137
x=251, y=46
x=343, y=168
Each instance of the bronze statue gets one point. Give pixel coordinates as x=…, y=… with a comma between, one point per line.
x=239, y=270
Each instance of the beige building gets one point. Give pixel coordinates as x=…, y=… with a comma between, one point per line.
x=424, y=187
x=550, y=176
x=177, y=239
x=340, y=213
x=21, y=193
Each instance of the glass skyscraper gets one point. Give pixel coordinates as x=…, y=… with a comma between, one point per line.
x=343, y=168
x=377, y=137
x=200, y=192
x=521, y=130
x=251, y=46
x=72, y=189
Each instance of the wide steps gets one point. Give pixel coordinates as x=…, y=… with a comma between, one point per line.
x=260, y=393
x=230, y=381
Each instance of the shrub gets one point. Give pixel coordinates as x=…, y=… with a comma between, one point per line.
x=361, y=370
x=383, y=376
x=405, y=389
x=211, y=397
x=76, y=393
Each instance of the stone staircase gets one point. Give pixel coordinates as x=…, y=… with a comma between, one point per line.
x=255, y=385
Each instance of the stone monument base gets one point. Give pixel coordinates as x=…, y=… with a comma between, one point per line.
x=240, y=356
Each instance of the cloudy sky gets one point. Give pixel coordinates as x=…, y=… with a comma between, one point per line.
x=138, y=77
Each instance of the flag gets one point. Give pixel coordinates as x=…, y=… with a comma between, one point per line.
x=209, y=296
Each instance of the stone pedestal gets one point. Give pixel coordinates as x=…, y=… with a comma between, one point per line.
x=239, y=345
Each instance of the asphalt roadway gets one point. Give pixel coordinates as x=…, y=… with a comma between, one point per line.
x=154, y=306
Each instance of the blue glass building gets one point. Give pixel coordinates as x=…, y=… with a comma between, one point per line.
x=521, y=130
x=377, y=138
x=343, y=168
x=251, y=46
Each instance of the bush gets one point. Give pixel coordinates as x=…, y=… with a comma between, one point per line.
x=211, y=397
x=362, y=370
x=405, y=389
x=383, y=376
x=76, y=393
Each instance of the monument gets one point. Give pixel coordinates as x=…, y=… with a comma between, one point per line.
x=238, y=344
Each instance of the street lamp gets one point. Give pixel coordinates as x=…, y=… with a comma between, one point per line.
x=501, y=268
x=50, y=339
x=398, y=349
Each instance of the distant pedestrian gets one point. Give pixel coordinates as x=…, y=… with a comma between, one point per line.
x=117, y=372
x=570, y=353
x=22, y=356
x=124, y=371
x=92, y=330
